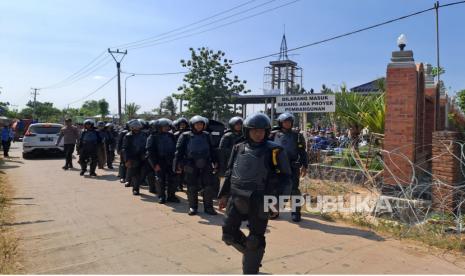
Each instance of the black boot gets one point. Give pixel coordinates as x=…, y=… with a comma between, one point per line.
x=296, y=217
x=173, y=199
x=82, y=172
x=251, y=260
x=192, y=211
x=211, y=211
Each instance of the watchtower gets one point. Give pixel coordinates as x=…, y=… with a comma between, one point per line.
x=283, y=76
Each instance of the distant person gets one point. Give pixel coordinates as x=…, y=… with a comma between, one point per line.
x=195, y=157
x=161, y=147
x=89, y=141
x=231, y=137
x=8, y=135
x=101, y=153
x=70, y=134
x=110, y=144
x=133, y=151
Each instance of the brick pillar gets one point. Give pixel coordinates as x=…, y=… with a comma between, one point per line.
x=431, y=113
x=446, y=170
x=442, y=113
x=432, y=92
x=401, y=117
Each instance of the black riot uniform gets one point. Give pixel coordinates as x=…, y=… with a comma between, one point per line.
x=89, y=141
x=119, y=146
x=148, y=175
x=101, y=149
x=255, y=169
x=195, y=156
x=110, y=144
x=161, y=146
x=294, y=144
x=133, y=151
x=230, y=138
x=181, y=125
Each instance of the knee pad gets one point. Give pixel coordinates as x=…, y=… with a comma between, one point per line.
x=237, y=239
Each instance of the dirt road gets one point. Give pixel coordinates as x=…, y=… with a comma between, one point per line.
x=74, y=224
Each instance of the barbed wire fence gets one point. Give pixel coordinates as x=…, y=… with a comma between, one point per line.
x=420, y=198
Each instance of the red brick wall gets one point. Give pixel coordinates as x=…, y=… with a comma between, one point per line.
x=442, y=114
x=446, y=170
x=400, y=123
x=433, y=94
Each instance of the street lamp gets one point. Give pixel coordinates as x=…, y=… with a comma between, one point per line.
x=402, y=41
x=125, y=82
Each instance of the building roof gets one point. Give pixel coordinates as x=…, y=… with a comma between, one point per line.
x=369, y=87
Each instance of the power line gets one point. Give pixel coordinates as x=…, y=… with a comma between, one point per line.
x=76, y=73
x=94, y=63
x=313, y=43
x=292, y=49
x=338, y=36
x=84, y=74
x=217, y=27
x=185, y=26
x=94, y=91
x=150, y=41
x=156, y=74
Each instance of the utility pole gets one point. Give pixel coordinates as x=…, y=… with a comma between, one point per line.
x=34, y=94
x=118, y=69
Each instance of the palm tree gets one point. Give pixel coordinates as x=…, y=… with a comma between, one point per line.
x=358, y=111
x=131, y=110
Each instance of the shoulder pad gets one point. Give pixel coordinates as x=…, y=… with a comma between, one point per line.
x=272, y=145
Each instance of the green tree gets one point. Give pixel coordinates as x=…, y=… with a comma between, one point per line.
x=131, y=110
x=435, y=71
x=103, y=107
x=168, y=107
x=207, y=88
x=461, y=99
x=90, y=108
x=44, y=112
x=5, y=110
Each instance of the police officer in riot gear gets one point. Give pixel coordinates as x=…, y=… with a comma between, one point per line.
x=161, y=147
x=196, y=158
x=119, y=147
x=231, y=137
x=294, y=144
x=101, y=154
x=110, y=144
x=181, y=125
x=133, y=151
x=257, y=167
x=89, y=141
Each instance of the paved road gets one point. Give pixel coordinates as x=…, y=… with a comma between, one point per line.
x=73, y=224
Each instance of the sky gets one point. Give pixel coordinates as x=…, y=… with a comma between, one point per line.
x=44, y=42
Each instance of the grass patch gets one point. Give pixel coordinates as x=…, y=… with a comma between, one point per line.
x=431, y=234
x=8, y=243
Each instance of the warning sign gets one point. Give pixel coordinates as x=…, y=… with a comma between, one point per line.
x=306, y=103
